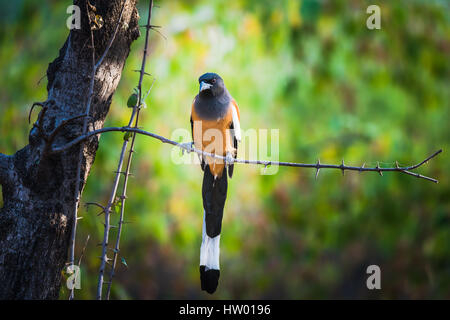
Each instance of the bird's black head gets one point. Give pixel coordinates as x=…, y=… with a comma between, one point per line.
x=211, y=84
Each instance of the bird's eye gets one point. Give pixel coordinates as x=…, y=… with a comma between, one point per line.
x=213, y=81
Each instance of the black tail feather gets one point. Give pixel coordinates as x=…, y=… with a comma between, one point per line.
x=214, y=192
x=209, y=279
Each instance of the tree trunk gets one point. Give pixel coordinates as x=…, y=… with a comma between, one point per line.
x=38, y=188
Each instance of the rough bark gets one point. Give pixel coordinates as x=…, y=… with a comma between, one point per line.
x=38, y=188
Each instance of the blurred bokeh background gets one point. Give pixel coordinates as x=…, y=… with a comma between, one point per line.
x=332, y=87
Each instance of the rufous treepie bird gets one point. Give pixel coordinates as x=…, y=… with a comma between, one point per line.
x=216, y=130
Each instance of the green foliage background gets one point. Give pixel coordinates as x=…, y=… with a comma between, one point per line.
x=332, y=87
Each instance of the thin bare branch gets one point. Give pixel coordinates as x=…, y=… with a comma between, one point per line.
x=107, y=221
x=87, y=204
x=256, y=162
x=122, y=213
x=95, y=66
x=135, y=113
x=128, y=166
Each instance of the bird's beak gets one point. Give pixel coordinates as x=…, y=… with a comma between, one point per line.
x=204, y=86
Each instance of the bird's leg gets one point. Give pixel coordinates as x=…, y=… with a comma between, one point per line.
x=229, y=159
x=187, y=146
x=203, y=163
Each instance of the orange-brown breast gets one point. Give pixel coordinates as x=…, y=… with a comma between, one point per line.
x=213, y=136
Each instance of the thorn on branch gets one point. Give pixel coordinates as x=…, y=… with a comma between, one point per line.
x=87, y=204
x=123, y=172
x=143, y=72
x=265, y=167
x=378, y=169
x=105, y=258
x=317, y=168
x=104, y=225
x=150, y=26
x=154, y=28
x=39, y=81
x=41, y=104
x=100, y=213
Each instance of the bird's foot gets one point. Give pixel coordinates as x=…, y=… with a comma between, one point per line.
x=229, y=159
x=187, y=146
